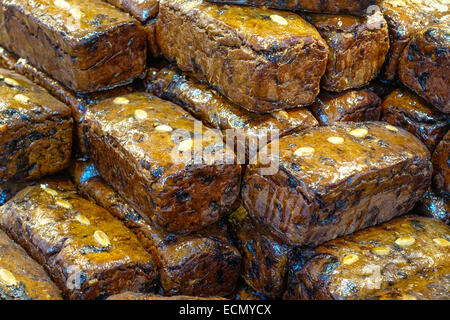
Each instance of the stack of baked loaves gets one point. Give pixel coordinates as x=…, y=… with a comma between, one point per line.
x=101, y=99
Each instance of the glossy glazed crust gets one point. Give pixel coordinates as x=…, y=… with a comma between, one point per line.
x=35, y=130
x=265, y=260
x=152, y=45
x=78, y=103
x=358, y=7
x=405, y=18
x=435, y=204
x=334, y=181
x=142, y=10
x=87, y=45
x=256, y=62
x=142, y=141
x=441, y=164
x=29, y=280
x=425, y=65
x=61, y=231
x=357, y=49
x=200, y=264
x=356, y=266
x=220, y=113
x=353, y=105
x=404, y=109
x=141, y=296
x=428, y=286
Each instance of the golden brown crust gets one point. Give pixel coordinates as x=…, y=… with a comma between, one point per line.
x=355, y=7
x=425, y=65
x=441, y=164
x=145, y=140
x=336, y=180
x=201, y=264
x=357, y=49
x=405, y=18
x=88, y=253
x=404, y=109
x=22, y=278
x=352, y=105
x=88, y=45
x=35, y=130
x=261, y=63
x=385, y=257
x=265, y=259
x=218, y=112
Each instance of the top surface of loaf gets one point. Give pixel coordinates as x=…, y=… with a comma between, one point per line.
x=21, y=99
x=61, y=222
x=148, y=127
x=75, y=19
x=406, y=16
x=260, y=28
x=407, y=103
x=335, y=155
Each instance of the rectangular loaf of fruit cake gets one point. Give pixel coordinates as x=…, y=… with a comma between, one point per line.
x=35, y=130
x=87, y=252
x=357, y=48
x=400, y=258
x=149, y=151
x=261, y=59
x=424, y=66
x=336, y=180
x=405, y=109
x=353, y=105
x=265, y=259
x=355, y=7
x=199, y=264
x=22, y=278
x=405, y=18
x=88, y=45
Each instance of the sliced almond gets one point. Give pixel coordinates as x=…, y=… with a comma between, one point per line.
x=350, y=259
x=82, y=219
x=408, y=297
x=50, y=191
x=336, y=140
x=163, y=128
x=405, y=241
x=441, y=242
x=281, y=115
x=11, y=82
x=76, y=13
x=391, y=128
x=7, y=278
x=101, y=238
x=304, y=151
x=121, y=101
x=381, y=251
x=92, y=281
x=140, y=114
x=64, y=204
x=62, y=4
x=185, y=145
x=278, y=19
x=21, y=98
x=359, y=133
